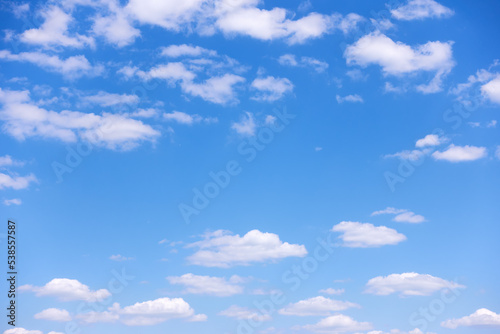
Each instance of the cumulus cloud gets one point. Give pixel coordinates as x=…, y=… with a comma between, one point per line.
x=481, y=318
x=364, y=235
x=338, y=323
x=184, y=50
x=23, y=119
x=271, y=89
x=67, y=290
x=246, y=126
x=156, y=311
x=461, y=153
x=71, y=68
x=355, y=98
x=54, y=314
x=491, y=90
x=430, y=140
x=20, y=330
x=401, y=215
x=421, y=9
x=115, y=25
x=317, y=306
x=398, y=59
x=219, y=89
x=207, y=285
x=8, y=161
x=224, y=249
x=243, y=313
x=408, y=284
x=16, y=182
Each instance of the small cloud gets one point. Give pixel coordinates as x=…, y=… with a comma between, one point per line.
x=332, y=291
x=246, y=126
x=461, y=153
x=120, y=258
x=317, y=149
x=14, y=201
x=355, y=98
x=401, y=215
x=430, y=140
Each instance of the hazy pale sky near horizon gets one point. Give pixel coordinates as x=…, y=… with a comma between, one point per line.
x=245, y=166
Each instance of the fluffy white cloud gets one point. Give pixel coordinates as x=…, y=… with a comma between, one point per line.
x=271, y=89
x=156, y=311
x=54, y=314
x=319, y=306
x=97, y=317
x=397, y=331
x=23, y=119
x=482, y=317
x=398, y=59
x=54, y=31
x=106, y=99
x=7, y=160
x=332, y=291
x=431, y=140
x=408, y=284
x=461, y=153
x=349, y=98
x=338, y=323
x=16, y=182
x=244, y=313
x=215, y=286
x=115, y=26
x=71, y=68
x=183, y=118
x=491, y=90
x=218, y=89
x=421, y=9
x=20, y=330
x=13, y=201
x=223, y=249
x=364, y=235
x=175, y=51
x=246, y=126
x=313, y=63
x=401, y=215
x=66, y=290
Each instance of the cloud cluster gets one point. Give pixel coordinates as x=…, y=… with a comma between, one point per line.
x=67, y=290
x=365, y=235
x=482, y=317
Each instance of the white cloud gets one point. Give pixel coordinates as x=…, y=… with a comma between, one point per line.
x=492, y=124
x=54, y=31
x=116, y=27
x=214, y=286
x=156, y=311
x=430, y=140
x=106, y=99
x=13, y=201
x=20, y=330
x=398, y=59
x=171, y=72
x=355, y=98
x=16, y=182
x=67, y=290
x=497, y=152
x=71, y=68
x=244, y=313
x=246, y=126
x=397, y=331
x=23, y=119
x=338, y=323
x=413, y=155
x=120, y=258
x=198, y=318
x=54, y=314
x=317, y=306
x=313, y=63
x=183, y=118
x=491, y=90
x=421, y=9
x=460, y=153
x=481, y=318
x=175, y=51
x=218, y=89
x=401, y=215
x=271, y=88
x=408, y=284
x=7, y=160
x=364, y=235
x=332, y=291
x=223, y=249
x=97, y=317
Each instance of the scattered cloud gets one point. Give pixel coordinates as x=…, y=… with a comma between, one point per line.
x=332, y=291
x=421, y=9
x=349, y=98
x=54, y=314
x=431, y=140
x=271, y=89
x=364, y=235
x=316, y=306
x=491, y=90
x=207, y=285
x=183, y=118
x=16, y=182
x=184, y=50
x=13, y=201
x=120, y=258
x=401, y=215
x=338, y=323
x=481, y=318
x=307, y=62
x=106, y=99
x=408, y=284
x=246, y=126
x=8, y=161
x=461, y=153
x=67, y=290
x=223, y=249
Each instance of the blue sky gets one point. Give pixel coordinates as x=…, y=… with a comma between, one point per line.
x=244, y=166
